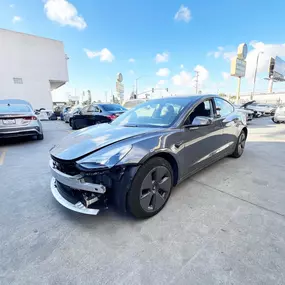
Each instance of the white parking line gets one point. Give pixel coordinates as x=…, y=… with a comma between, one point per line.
x=2, y=155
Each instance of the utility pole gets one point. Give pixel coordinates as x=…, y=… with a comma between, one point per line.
x=197, y=81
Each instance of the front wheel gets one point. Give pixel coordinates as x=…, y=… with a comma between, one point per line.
x=240, y=145
x=40, y=137
x=150, y=189
x=275, y=121
x=73, y=125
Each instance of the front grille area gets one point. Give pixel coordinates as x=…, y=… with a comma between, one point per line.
x=66, y=167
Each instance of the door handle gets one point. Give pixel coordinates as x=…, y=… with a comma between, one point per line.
x=179, y=144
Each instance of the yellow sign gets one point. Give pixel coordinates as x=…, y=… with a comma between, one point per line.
x=238, y=67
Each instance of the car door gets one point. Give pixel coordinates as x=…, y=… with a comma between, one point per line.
x=200, y=142
x=228, y=120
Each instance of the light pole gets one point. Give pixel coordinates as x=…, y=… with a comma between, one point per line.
x=137, y=85
x=255, y=72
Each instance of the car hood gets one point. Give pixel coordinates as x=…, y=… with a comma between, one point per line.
x=88, y=140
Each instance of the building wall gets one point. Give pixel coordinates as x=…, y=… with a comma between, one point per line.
x=40, y=63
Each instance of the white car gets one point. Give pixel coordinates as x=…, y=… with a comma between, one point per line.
x=248, y=113
x=279, y=115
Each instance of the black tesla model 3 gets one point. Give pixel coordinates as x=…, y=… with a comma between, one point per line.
x=134, y=161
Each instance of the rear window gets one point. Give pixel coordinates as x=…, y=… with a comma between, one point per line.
x=112, y=107
x=14, y=108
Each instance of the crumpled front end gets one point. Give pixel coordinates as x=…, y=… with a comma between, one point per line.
x=83, y=192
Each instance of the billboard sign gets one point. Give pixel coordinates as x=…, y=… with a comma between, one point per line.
x=238, y=67
x=279, y=69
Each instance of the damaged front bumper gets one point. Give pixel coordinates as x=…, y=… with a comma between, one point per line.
x=76, y=207
x=74, y=193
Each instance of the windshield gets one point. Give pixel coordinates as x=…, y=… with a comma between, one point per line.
x=14, y=108
x=74, y=109
x=112, y=107
x=154, y=113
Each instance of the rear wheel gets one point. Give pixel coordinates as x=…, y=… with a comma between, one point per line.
x=240, y=145
x=150, y=189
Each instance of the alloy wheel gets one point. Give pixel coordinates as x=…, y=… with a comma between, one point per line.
x=241, y=143
x=155, y=189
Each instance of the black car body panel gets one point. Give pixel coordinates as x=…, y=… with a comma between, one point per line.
x=188, y=148
x=97, y=114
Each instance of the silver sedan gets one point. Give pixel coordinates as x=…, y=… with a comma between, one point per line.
x=17, y=118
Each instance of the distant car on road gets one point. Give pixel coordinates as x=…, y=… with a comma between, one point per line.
x=260, y=109
x=279, y=116
x=248, y=113
x=96, y=114
x=17, y=118
x=63, y=111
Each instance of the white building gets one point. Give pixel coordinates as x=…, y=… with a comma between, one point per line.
x=31, y=67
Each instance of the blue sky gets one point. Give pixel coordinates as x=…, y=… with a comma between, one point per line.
x=101, y=36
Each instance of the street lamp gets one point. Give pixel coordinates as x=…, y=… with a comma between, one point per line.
x=254, y=79
x=137, y=85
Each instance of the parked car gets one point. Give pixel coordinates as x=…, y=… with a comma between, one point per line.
x=63, y=111
x=279, y=116
x=129, y=104
x=73, y=111
x=248, y=113
x=136, y=160
x=260, y=109
x=17, y=118
x=96, y=114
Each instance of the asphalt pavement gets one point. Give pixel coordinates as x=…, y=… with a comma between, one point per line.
x=225, y=225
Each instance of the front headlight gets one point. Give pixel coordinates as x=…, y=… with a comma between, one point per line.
x=104, y=158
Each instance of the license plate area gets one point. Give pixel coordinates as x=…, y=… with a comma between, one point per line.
x=9, y=122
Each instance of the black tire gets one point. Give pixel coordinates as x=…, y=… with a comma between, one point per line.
x=73, y=125
x=274, y=121
x=154, y=198
x=40, y=137
x=240, y=144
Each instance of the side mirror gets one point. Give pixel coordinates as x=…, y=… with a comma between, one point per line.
x=202, y=121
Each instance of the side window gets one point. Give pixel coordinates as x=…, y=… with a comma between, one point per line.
x=96, y=109
x=91, y=109
x=204, y=109
x=223, y=107
x=84, y=109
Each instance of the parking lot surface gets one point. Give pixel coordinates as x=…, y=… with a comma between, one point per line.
x=225, y=225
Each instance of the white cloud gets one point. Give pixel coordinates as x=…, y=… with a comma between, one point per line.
x=226, y=75
x=183, y=14
x=163, y=72
x=12, y=6
x=64, y=13
x=221, y=52
x=162, y=82
x=181, y=66
x=162, y=57
x=269, y=50
x=184, y=78
x=229, y=55
x=104, y=54
x=203, y=73
x=132, y=60
x=16, y=19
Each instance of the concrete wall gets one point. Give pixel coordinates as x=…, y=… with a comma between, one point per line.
x=40, y=62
